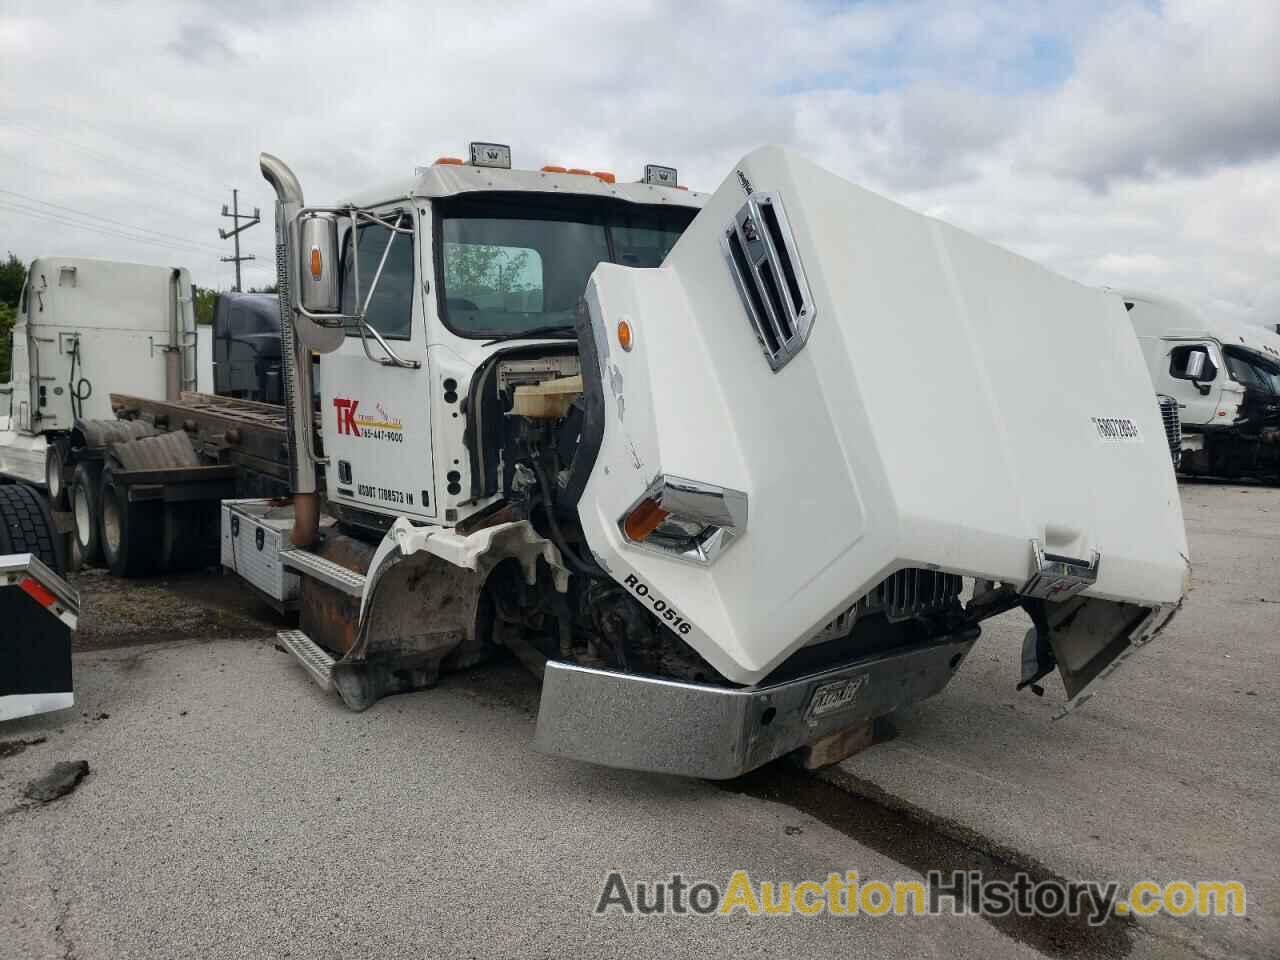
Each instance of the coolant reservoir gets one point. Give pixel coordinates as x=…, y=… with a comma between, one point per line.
x=549, y=400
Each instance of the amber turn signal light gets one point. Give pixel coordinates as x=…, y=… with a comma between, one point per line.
x=643, y=520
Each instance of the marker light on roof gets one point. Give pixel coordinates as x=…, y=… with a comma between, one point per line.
x=491, y=155
x=659, y=176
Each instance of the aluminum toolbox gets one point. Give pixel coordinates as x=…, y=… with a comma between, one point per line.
x=253, y=533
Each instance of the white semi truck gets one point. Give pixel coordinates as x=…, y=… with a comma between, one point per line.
x=86, y=328
x=735, y=474
x=1225, y=379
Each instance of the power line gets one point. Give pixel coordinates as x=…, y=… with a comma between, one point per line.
x=97, y=228
x=188, y=189
x=60, y=176
x=94, y=228
x=120, y=223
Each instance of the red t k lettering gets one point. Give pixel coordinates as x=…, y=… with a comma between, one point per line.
x=347, y=415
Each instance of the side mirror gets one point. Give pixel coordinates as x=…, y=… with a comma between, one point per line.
x=318, y=263
x=1195, y=364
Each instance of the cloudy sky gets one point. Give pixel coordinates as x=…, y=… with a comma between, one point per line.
x=1133, y=144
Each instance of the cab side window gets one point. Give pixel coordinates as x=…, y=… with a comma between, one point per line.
x=1181, y=362
x=391, y=307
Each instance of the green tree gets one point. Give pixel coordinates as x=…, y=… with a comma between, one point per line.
x=471, y=268
x=8, y=315
x=205, y=300
x=13, y=272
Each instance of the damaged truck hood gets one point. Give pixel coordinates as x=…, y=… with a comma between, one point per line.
x=953, y=403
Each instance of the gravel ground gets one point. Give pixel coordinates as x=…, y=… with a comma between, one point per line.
x=210, y=606
x=1172, y=772
x=231, y=809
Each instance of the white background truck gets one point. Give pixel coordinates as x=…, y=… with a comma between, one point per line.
x=85, y=329
x=736, y=474
x=1225, y=377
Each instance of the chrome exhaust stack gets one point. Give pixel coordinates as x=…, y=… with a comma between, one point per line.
x=295, y=356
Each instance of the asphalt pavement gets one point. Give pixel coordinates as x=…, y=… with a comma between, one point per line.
x=234, y=810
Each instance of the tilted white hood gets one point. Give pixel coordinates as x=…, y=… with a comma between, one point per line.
x=944, y=413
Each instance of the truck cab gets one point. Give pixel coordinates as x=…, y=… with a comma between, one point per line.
x=470, y=261
x=1226, y=379
x=87, y=328
x=245, y=343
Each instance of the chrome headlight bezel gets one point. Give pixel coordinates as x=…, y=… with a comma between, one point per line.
x=720, y=512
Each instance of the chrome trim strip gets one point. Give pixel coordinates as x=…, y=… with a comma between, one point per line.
x=759, y=247
x=1057, y=578
x=718, y=507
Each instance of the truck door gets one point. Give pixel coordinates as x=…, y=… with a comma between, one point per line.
x=375, y=409
x=1197, y=397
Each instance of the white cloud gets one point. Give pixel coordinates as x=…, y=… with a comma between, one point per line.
x=1103, y=140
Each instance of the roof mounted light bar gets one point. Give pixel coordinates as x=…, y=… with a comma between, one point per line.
x=491, y=155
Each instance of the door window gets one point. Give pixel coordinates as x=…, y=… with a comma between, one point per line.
x=1253, y=371
x=391, y=306
x=1179, y=357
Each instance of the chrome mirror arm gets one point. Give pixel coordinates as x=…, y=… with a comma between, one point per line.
x=357, y=320
x=392, y=359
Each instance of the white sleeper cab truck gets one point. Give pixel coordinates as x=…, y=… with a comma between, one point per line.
x=1225, y=377
x=694, y=459
x=86, y=329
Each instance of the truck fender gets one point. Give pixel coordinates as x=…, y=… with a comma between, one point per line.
x=480, y=551
x=421, y=607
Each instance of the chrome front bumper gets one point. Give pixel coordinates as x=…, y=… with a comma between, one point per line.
x=698, y=730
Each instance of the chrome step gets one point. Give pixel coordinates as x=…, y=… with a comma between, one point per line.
x=326, y=571
x=314, y=660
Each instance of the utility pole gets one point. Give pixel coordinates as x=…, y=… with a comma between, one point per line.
x=235, y=216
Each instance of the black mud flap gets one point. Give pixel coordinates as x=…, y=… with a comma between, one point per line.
x=1090, y=638
x=38, y=614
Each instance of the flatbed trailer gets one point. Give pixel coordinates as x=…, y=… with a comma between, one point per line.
x=250, y=436
x=145, y=488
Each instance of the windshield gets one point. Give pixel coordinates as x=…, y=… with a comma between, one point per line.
x=1253, y=371
x=515, y=262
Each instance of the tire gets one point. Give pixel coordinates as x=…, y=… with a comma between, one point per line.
x=56, y=476
x=27, y=527
x=130, y=531
x=87, y=511
x=75, y=560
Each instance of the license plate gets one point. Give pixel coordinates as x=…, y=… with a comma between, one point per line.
x=834, y=696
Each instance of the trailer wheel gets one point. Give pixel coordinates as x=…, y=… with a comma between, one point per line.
x=55, y=475
x=87, y=510
x=130, y=531
x=27, y=527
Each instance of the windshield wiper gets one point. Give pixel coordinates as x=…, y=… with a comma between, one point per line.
x=557, y=331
